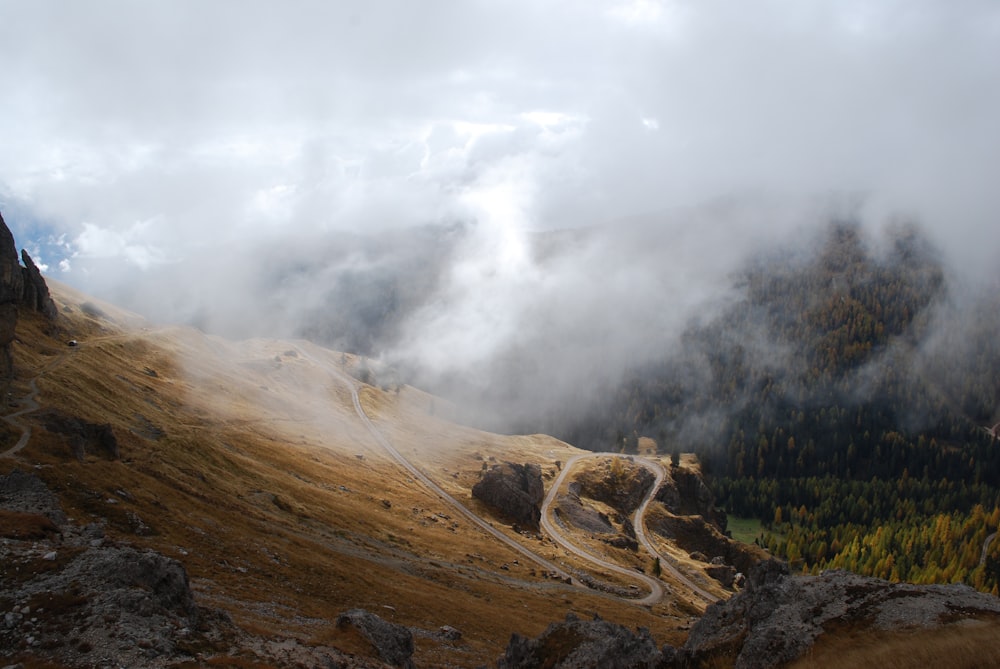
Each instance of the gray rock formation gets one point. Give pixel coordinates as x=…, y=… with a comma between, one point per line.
x=569, y=509
x=26, y=493
x=514, y=490
x=36, y=292
x=778, y=617
x=11, y=289
x=18, y=286
x=392, y=642
x=77, y=598
x=581, y=644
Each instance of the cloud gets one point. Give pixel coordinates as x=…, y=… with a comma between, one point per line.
x=223, y=163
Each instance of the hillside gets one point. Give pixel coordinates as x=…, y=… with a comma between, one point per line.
x=247, y=463
x=174, y=499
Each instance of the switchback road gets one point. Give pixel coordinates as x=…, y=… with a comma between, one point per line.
x=638, y=522
x=377, y=435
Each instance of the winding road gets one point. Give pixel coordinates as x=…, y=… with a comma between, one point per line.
x=655, y=586
x=352, y=385
x=30, y=403
x=638, y=521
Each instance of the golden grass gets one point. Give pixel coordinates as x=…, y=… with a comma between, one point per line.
x=246, y=462
x=970, y=644
x=25, y=526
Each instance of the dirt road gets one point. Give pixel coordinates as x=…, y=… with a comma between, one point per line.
x=638, y=521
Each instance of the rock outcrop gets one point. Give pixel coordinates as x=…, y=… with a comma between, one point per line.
x=516, y=491
x=580, y=644
x=620, y=485
x=83, y=436
x=74, y=595
x=18, y=286
x=571, y=509
x=391, y=642
x=35, y=294
x=11, y=289
x=778, y=617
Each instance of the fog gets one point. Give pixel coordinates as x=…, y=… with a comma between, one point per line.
x=510, y=202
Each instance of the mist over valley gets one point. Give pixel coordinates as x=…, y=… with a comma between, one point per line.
x=633, y=333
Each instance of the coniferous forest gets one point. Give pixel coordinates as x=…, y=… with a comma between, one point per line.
x=844, y=397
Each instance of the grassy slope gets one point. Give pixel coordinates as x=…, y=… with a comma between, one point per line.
x=246, y=462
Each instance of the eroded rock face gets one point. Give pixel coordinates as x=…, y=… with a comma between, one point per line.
x=778, y=617
x=581, y=645
x=36, y=292
x=514, y=490
x=18, y=286
x=11, y=289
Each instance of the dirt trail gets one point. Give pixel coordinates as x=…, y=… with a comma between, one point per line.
x=29, y=404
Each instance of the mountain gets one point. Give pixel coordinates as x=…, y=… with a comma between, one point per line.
x=845, y=398
x=257, y=481
x=174, y=499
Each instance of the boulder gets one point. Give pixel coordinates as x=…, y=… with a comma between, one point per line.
x=777, y=617
x=581, y=645
x=516, y=491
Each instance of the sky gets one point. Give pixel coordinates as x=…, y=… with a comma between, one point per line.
x=165, y=155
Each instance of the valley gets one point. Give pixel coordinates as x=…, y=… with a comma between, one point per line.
x=170, y=498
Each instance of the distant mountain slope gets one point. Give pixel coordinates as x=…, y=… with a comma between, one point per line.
x=845, y=388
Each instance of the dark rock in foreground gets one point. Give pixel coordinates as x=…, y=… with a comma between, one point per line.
x=778, y=617
x=75, y=595
x=583, y=644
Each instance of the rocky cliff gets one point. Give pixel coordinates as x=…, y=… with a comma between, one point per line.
x=18, y=286
x=11, y=288
x=35, y=294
